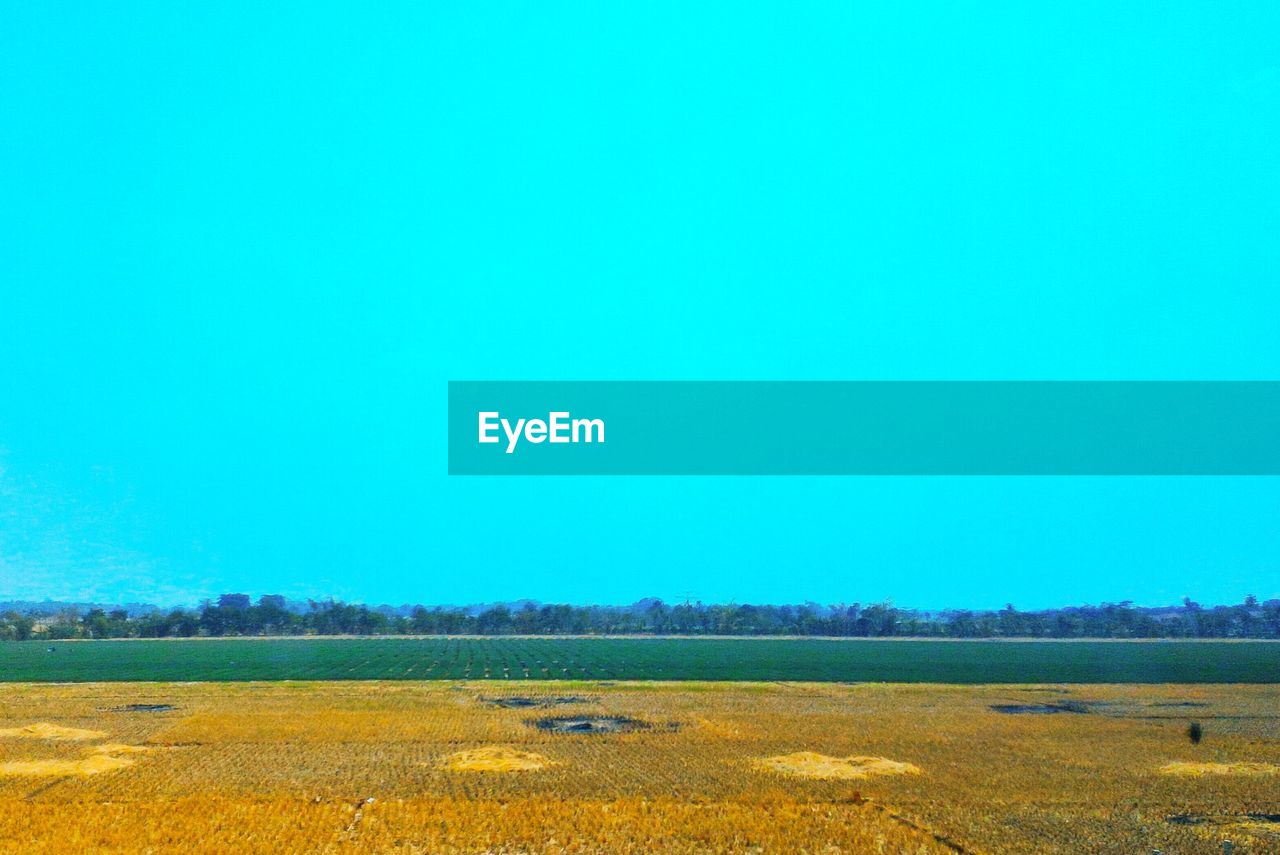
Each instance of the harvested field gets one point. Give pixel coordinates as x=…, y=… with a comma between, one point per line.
x=421, y=767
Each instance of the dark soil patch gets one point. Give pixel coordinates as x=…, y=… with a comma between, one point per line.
x=521, y=703
x=1221, y=819
x=589, y=724
x=1180, y=704
x=145, y=708
x=1040, y=709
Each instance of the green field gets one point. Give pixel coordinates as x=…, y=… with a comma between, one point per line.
x=500, y=658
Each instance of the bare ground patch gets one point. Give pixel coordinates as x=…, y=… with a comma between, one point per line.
x=121, y=748
x=496, y=758
x=810, y=764
x=1197, y=770
x=91, y=765
x=590, y=724
x=1040, y=709
x=55, y=732
x=520, y=702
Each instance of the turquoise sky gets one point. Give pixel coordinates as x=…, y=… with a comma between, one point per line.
x=243, y=246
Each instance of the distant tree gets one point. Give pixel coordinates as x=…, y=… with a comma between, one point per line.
x=183, y=623
x=234, y=601
x=1010, y=622
x=882, y=619
x=96, y=624
x=62, y=629
x=271, y=615
x=525, y=621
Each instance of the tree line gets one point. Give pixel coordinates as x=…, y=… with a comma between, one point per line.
x=239, y=615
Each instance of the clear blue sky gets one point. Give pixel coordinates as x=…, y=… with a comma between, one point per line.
x=244, y=245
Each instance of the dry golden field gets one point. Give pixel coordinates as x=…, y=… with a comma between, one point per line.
x=684, y=767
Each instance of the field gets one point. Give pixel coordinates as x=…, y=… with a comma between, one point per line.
x=605, y=767
x=813, y=660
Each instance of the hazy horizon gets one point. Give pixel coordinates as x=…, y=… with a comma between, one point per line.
x=669, y=601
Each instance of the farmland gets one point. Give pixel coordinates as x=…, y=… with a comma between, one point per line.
x=541, y=658
x=474, y=766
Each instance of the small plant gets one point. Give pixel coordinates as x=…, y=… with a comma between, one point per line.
x=1195, y=733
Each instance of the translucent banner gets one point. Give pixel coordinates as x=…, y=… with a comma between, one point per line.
x=863, y=428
